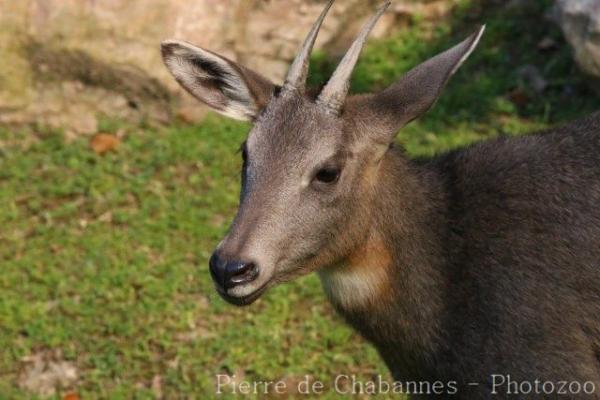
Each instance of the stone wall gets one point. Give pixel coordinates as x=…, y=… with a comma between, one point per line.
x=67, y=63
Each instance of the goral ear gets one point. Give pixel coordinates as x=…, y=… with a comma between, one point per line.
x=225, y=86
x=413, y=94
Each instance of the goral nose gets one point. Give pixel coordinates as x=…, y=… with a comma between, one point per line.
x=229, y=273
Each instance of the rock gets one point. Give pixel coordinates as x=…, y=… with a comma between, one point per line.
x=68, y=63
x=580, y=23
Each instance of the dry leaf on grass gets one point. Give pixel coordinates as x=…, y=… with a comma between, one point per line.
x=104, y=142
x=71, y=396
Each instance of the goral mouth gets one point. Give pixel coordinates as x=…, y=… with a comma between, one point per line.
x=245, y=300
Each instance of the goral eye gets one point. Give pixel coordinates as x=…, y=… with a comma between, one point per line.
x=327, y=175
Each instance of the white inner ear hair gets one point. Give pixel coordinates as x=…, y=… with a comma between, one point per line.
x=237, y=102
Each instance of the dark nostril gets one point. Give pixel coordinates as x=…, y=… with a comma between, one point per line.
x=243, y=273
x=239, y=272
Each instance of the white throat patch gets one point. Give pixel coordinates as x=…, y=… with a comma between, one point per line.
x=352, y=288
x=361, y=281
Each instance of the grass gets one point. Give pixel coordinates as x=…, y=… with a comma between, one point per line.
x=104, y=258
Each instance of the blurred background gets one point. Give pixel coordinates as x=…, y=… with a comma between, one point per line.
x=115, y=185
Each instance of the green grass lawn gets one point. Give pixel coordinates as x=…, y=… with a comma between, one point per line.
x=104, y=258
